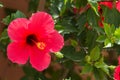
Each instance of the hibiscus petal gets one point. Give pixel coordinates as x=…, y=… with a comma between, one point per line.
x=18, y=53
x=41, y=23
x=107, y=4
x=17, y=29
x=55, y=41
x=117, y=73
x=118, y=6
x=39, y=60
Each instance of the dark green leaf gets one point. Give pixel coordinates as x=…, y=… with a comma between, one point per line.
x=80, y=3
x=8, y=19
x=70, y=53
x=99, y=74
x=92, y=18
x=91, y=39
x=112, y=16
x=19, y=14
x=13, y=16
x=94, y=5
x=33, y=5
x=87, y=68
x=82, y=20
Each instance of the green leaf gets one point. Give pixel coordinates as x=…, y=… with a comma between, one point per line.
x=95, y=53
x=112, y=16
x=92, y=18
x=91, y=39
x=107, y=29
x=117, y=33
x=59, y=28
x=8, y=19
x=117, y=36
x=4, y=37
x=19, y=14
x=81, y=21
x=29, y=71
x=88, y=59
x=102, y=65
x=13, y=16
x=112, y=67
x=33, y=5
x=107, y=43
x=74, y=43
x=94, y=5
x=70, y=53
x=101, y=38
x=4, y=41
x=59, y=54
x=87, y=68
x=66, y=23
x=80, y=3
x=99, y=74
x=112, y=28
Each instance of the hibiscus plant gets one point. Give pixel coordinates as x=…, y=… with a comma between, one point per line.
x=69, y=40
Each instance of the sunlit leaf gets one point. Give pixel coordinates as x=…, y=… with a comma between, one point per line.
x=101, y=38
x=95, y=53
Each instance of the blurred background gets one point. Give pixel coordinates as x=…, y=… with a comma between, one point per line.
x=80, y=25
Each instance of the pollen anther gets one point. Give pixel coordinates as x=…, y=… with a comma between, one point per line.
x=41, y=45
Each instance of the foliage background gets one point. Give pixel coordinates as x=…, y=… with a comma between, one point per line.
x=90, y=51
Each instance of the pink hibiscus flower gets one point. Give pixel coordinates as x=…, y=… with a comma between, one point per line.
x=117, y=71
x=33, y=39
x=107, y=4
x=118, y=5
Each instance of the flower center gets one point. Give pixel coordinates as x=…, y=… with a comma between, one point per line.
x=32, y=40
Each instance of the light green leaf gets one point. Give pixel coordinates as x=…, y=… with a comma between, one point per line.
x=117, y=36
x=95, y=53
x=102, y=65
x=74, y=43
x=107, y=29
x=112, y=28
x=59, y=54
x=107, y=43
x=101, y=38
x=117, y=33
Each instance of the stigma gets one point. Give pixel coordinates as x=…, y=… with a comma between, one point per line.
x=41, y=45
